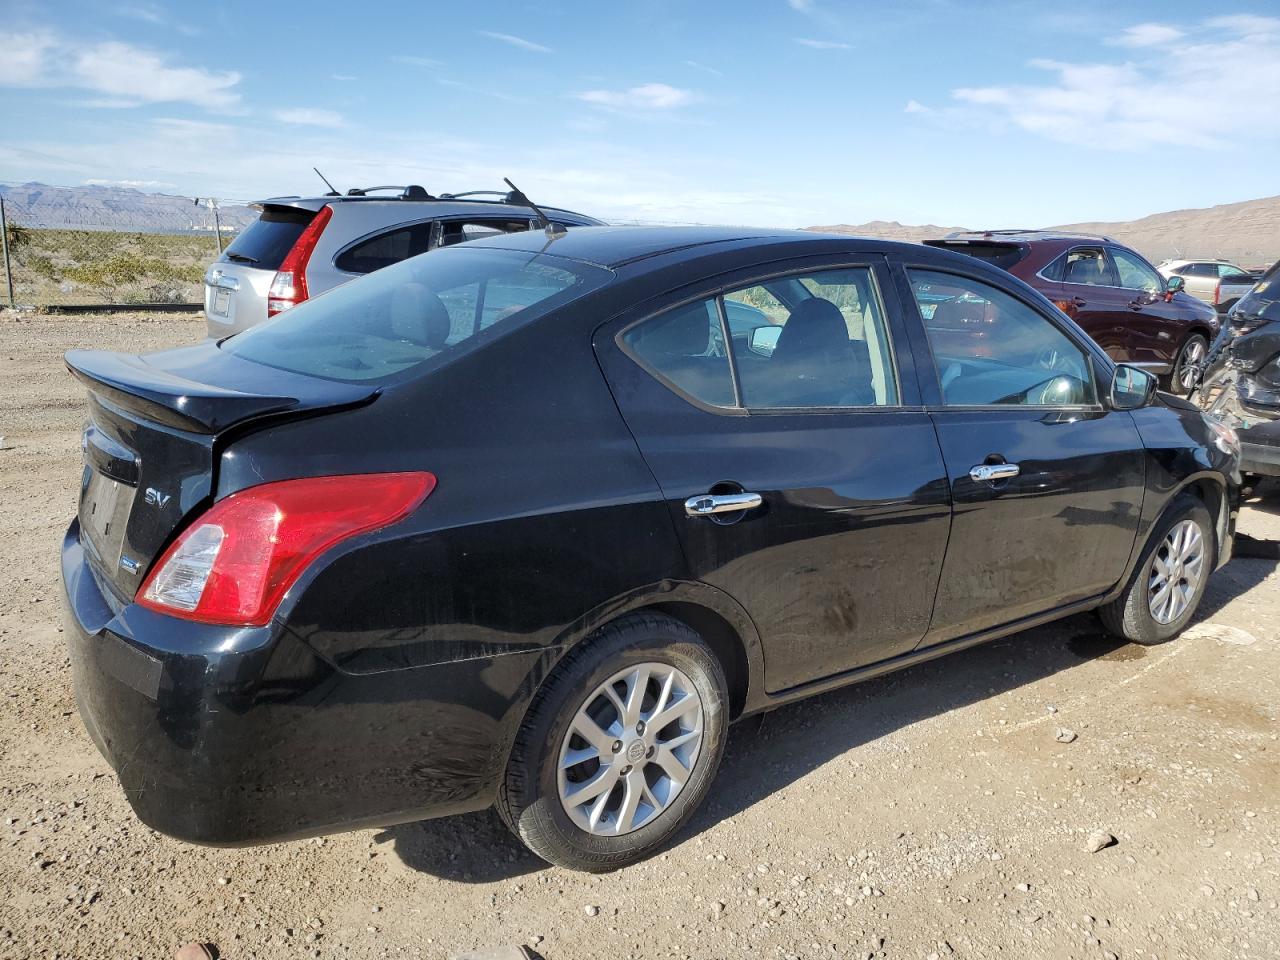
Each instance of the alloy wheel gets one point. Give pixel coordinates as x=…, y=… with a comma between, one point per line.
x=1176, y=572
x=1192, y=356
x=630, y=749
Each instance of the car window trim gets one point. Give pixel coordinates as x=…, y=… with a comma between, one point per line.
x=717, y=294
x=1092, y=352
x=1106, y=257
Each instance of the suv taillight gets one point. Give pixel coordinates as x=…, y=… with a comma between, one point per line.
x=289, y=288
x=1217, y=293
x=235, y=563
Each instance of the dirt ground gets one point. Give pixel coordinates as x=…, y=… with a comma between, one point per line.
x=929, y=814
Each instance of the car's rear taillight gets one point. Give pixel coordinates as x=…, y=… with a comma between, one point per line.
x=235, y=563
x=289, y=288
x=1217, y=293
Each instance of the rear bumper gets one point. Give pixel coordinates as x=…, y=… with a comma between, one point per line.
x=233, y=736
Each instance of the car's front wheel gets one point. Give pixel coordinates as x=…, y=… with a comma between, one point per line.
x=1166, y=588
x=1186, y=368
x=619, y=746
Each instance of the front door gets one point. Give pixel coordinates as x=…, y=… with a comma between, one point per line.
x=1156, y=326
x=799, y=469
x=1046, y=482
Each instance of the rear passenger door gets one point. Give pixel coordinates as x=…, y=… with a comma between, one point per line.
x=1046, y=481
x=781, y=417
x=1092, y=297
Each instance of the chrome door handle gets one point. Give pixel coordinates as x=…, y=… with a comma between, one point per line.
x=993, y=471
x=704, y=505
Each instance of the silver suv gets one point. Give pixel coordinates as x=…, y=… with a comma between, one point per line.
x=301, y=246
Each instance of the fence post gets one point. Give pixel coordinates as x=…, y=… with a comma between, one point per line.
x=4, y=242
x=217, y=226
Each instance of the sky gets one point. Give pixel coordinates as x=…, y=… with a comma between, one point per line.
x=772, y=112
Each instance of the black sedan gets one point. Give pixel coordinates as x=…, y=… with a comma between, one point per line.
x=527, y=522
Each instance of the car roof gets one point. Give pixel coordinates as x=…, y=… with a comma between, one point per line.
x=1020, y=235
x=614, y=246
x=438, y=206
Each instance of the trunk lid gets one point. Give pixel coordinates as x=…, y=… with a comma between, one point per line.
x=157, y=426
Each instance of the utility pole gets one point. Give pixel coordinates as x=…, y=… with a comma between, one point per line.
x=4, y=242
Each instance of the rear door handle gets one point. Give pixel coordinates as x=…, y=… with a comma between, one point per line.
x=993, y=471
x=706, y=504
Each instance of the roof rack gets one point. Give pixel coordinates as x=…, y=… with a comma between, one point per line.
x=410, y=192
x=1016, y=232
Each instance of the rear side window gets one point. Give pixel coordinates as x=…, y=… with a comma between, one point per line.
x=386, y=248
x=1084, y=265
x=407, y=315
x=266, y=242
x=816, y=341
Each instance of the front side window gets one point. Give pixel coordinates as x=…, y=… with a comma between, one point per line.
x=407, y=314
x=814, y=340
x=1134, y=273
x=990, y=348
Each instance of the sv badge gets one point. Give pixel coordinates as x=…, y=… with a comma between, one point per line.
x=155, y=498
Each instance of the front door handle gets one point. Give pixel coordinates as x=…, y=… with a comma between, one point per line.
x=991, y=472
x=706, y=504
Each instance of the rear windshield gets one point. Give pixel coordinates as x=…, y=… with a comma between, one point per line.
x=1002, y=255
x=406, y=315
x=1264, y=299
x=265, y=243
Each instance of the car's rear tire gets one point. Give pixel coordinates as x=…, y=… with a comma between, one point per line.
x=592, y=783
x=1182, y=379
x=1166, y=587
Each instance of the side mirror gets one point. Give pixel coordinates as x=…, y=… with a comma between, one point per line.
x=765, y=339
x=1173, y=286
x=1131, y=388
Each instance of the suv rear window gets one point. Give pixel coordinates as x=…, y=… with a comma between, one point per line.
x=265, y=243
x=412, y=312
x=1002, y=255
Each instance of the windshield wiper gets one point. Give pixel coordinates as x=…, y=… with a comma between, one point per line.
x=240, y=257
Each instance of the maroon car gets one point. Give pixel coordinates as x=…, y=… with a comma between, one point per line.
x=1119, y=299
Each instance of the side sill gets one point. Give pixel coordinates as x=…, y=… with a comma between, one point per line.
x=913, y=657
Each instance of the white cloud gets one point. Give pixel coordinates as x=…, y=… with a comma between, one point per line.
x=128, y=74
x=821, y=44
x=704, y=68
x=1147, y=35
x=129, y=184
x=417, y=61
x=1202, y=91
x=124, y=70
x=309, y=116
x=647, y=96
x=342, y=76
x=915, y=106
x=804, y=6
x=147, y=12
x=25, y=54
x=515, y=41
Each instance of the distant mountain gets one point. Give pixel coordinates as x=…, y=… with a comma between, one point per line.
x=116, y=208
x=1246, y=232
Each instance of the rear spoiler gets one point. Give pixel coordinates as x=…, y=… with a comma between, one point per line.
x=204, y=389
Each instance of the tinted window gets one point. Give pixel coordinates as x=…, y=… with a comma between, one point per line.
x=265, y=243
x=831, y=348
x=1200, y=270
x=457, y=231
x=991, y=348
x=1264, y=299
x=1002, y=255
x=1134, y=273
x=385, y=249
x=680, y=347
x=1228, y=271
x=1087, y=265
x=410, y=313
